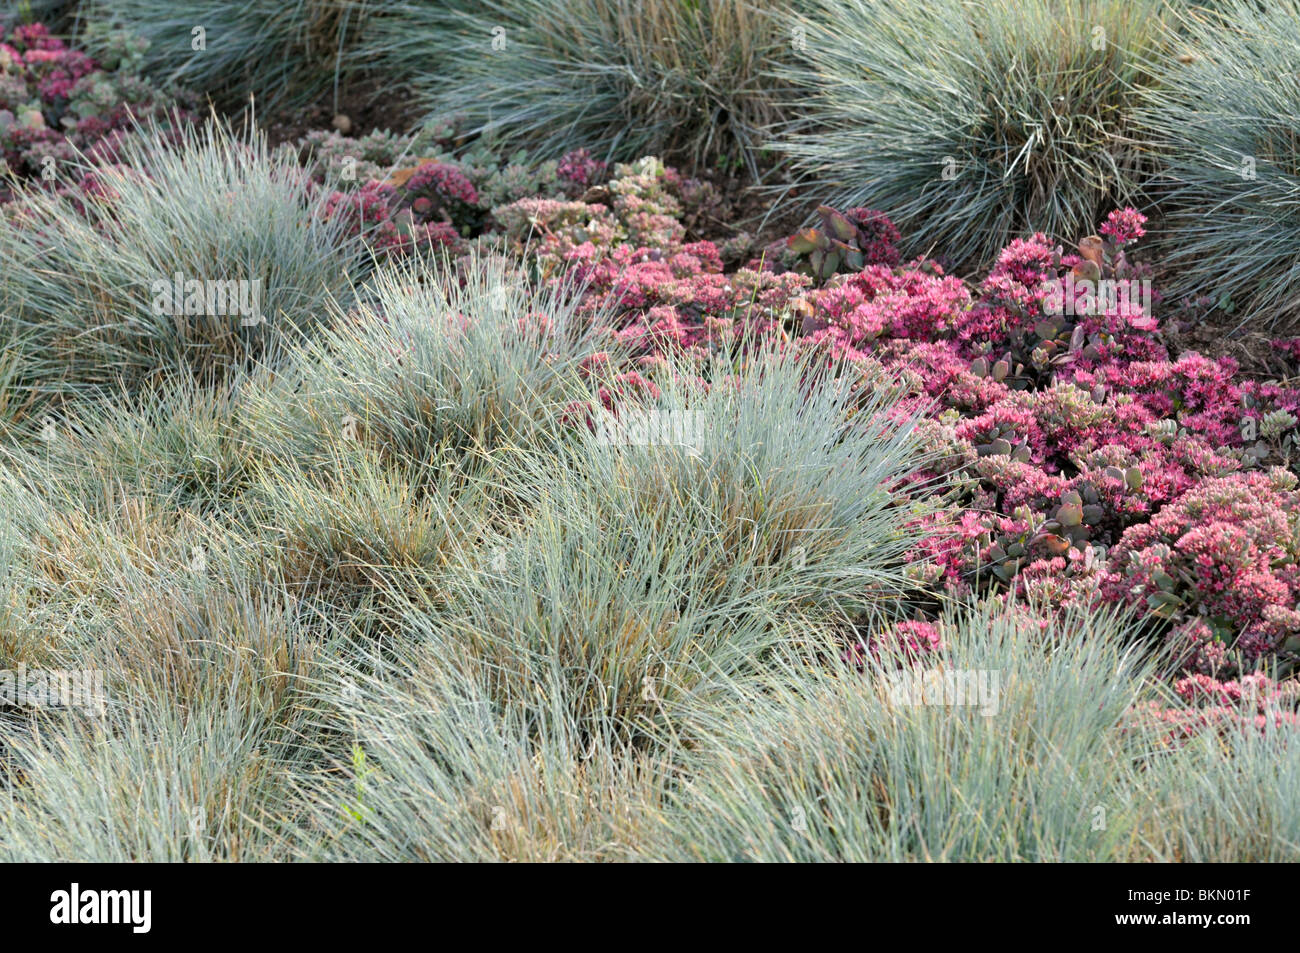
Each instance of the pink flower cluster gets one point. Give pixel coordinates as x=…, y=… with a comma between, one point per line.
x=657, y=290
x=443, y=179
x=372, y=211
x=56, y=102
x=1251, y=703
x=580, y=170
x=1124, y=225
x=1222, y=563
x=909, y=642
x=881, y=303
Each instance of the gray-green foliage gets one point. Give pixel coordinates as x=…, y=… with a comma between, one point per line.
x=623, y=77
x=817, y=765
x=972, y=123
x=273, y=50
x=1224, y=116
x=87, y=284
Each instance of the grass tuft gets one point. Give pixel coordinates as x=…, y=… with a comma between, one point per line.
x=625, y=78
x=971, y=124
x=1224, y=118
x=91, y=282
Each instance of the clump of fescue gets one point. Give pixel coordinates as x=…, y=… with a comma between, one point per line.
x=1228, y=798
x=623, y=77
x=1225, y=116
x=85, y=286
x=189, y=755
x=276, y=51
x=426, y=765
x=155, y=788
x=17, y=403
x=638, y=574
x=970, y=124
x=179, y=444
x=436, y=357
x=189, y=759
x=837, y=764
x=358, y=524
x=72, y=551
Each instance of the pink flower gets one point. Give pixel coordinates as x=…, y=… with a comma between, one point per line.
x=909, y=641
x=1124, y=225
x=579, y=168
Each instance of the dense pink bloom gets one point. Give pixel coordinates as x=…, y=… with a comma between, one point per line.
x=369, y=212
x=911, y=641
x=441, y=179
x=1124, y=225
x=580, y=169
x=57, y=102
x=1225, y=555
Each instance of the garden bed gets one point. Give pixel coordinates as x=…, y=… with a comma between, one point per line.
x=659, y=503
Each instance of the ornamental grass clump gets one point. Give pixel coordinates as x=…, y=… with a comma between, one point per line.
x=1228, y=799
x=195, y=254
x=179, y=444
x=462, y=357
x=1011, y=747
x=678, y=536
x=187, y=745
x=424, y=764
x=621, y=77
x=359, y=526
x=279, y=52
x=1223, y=116
x=972, y=123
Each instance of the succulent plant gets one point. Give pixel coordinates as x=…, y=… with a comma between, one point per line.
x=1273, y=434
x=845, y=241
x=1002, y=441
x=1045, y=337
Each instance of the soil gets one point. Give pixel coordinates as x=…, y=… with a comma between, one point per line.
x=361, y=108
x=1215, y=338
x=748, y=206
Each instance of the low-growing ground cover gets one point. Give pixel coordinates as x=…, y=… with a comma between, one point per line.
x=516, y=507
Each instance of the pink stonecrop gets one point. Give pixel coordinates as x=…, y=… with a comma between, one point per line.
x=580, y=169
x=58, y=103
x=369, y=212
x=1223, y=562
x=443, y=180
x=1124, y=225
x=908, y=642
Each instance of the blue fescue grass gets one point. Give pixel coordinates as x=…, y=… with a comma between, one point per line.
x=970, y=124
x=217, y=206
x=1223, y=116
x=622, y=77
